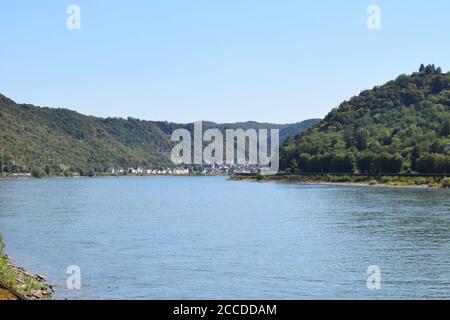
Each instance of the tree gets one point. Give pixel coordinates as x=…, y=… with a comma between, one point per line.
x=366, y=162
x=48, y=170
x=348, y=137
x=387, y=129
x=433, y=163
x=304, y=162
x=439, y=84
x=37, y=172
x=415, y=155
x=386, y=163
x=361, y=139
x=91, y=173
x=446, y=128
x=348, y=164
x=430, y=69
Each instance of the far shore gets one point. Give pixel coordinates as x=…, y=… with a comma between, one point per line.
x=358, y=184
x=10, y=177
x=418, y=182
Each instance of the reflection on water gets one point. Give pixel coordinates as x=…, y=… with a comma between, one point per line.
x=206, y=237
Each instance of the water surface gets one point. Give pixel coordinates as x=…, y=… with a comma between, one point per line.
x=210, y=238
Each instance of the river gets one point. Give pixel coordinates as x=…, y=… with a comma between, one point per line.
x=211, y=238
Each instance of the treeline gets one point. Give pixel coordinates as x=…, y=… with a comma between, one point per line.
x=60, y=142
x=8, y=166
x=369, y=163
x=349, y=163
x=434, y=163
x=400, y=127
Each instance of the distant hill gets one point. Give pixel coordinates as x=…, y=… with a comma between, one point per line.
x=55, y=141
x=286, y=130
x=401, y=126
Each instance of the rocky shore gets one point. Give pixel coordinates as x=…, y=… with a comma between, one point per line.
x=22, y=285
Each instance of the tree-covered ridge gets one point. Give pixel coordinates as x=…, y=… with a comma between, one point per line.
x=57, y=140
x=401, y=126
x=48, y=141
x=286, y=130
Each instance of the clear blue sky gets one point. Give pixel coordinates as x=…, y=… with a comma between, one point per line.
x=228, y=60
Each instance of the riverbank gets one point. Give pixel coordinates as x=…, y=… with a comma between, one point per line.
x=18, y=284
x=381, y=181
x=30, y=177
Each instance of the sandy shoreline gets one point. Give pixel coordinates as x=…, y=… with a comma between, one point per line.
x=356, y=184
x=329, y=183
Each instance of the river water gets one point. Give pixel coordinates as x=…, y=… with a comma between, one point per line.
x=211, y=238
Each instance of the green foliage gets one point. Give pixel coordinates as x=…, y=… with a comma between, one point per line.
x=37, y=172
x=434, y=163
x=45, y=141
x=2, y=246
x=261, y=178
x=402, y=126
x=60, y=140
x=91, y=173
x=22, y=283
x=445, y=183
x=6, y=276
x=421, y=181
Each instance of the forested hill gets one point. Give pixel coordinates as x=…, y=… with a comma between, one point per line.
x=401, y=126
x=58, y=141
x=286, y=130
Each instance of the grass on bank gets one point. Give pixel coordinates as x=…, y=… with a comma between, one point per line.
x=394, y=181
x=10, y=278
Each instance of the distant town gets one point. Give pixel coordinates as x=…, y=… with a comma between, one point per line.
x=205, y=169
x=181, y=170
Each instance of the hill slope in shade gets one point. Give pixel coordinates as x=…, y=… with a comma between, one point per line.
x=54, y=141
x=401, y=126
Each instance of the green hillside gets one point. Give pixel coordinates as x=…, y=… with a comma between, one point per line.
x=286, y=130
x=47, y=141
x=58, y=140
x=401, y=126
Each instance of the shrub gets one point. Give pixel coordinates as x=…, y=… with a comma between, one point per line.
x=387, y=179
x=37, y=172
x=341, y=179
x=373, y=182
x=445, y=183
x=421, y=181
x=261, y=178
